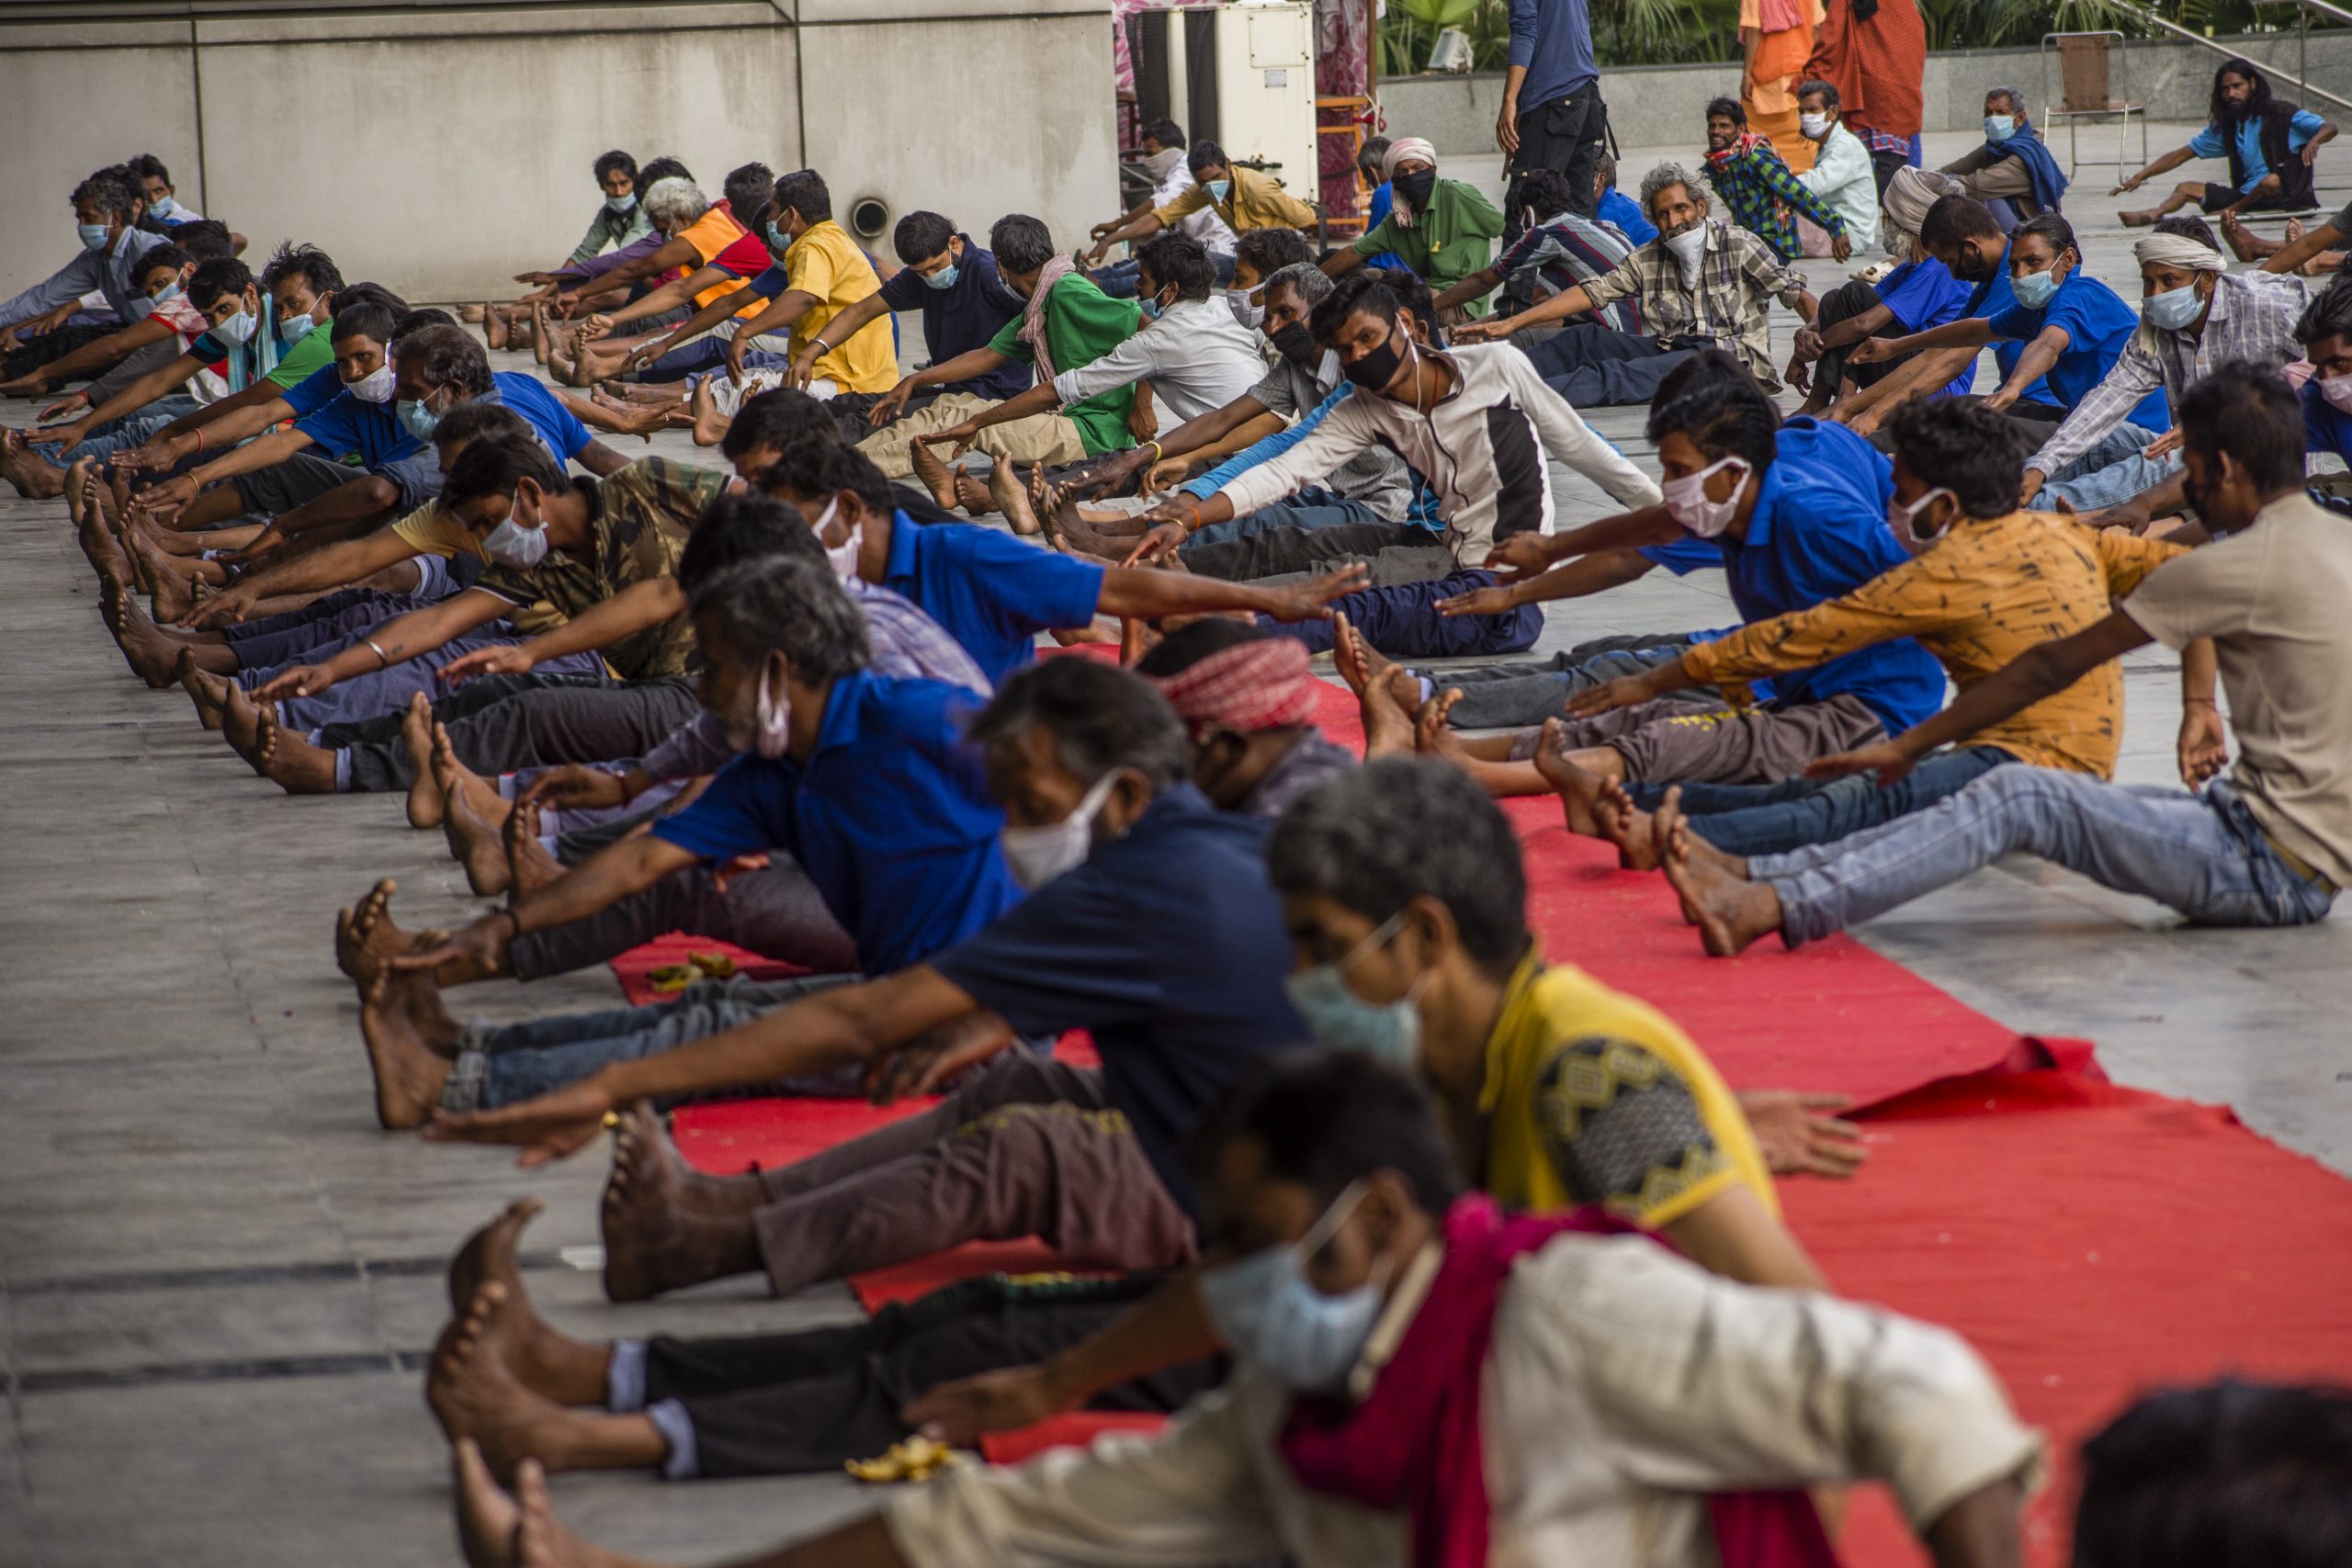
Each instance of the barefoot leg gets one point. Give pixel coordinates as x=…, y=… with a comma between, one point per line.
x=473, y=1393
x=423, y=790
x=567, y=1371
x=409, y=1072
x=653, y=1242
x=529, y=867
x=290, y=761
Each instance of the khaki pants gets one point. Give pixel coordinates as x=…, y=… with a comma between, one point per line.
x=1986, y=180
x=1049, y=438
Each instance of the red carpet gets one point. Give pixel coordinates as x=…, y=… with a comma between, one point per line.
x=2091, y=1241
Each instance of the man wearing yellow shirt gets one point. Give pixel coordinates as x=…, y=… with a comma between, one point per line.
x=822, y=274
x=1405, y=896
x=1243, y=198
x=1988, y=583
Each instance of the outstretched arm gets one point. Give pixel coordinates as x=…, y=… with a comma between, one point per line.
x=312, y=571
x=401, y=638
x=634, y=608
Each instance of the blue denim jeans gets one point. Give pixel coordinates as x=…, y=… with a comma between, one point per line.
x=1769, y=819
x=2202, y=854
x=386, y=690
x=322, y=623
x=1522, y=696
x=1404, y=623
x=2110, y=472
x=1313, y=507
x=130, y=430
x=506, y=1065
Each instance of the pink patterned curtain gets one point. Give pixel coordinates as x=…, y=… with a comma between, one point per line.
x=1344, y=40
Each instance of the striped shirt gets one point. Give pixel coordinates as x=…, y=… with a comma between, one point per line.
x=1567, y=250
x=1739, y=277
x=2252, y=317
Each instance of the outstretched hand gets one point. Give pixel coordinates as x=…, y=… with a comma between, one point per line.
x=1797, y=1135
x=1625, y=692
x=302, y=681
x=1160, y=544
x=575, y=783
x=506, y=658
x=1887, y=759
x=1490, y=600
x=558, y=1123
x=1002, y=1401
x=1311, y=600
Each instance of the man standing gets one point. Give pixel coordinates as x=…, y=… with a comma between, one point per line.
x=1552, y=115
x=1875, y=52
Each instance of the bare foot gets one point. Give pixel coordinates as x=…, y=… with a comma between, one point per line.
x=1729, y=911
x=542, y=1542
x=35, y=477
x=1430, y=736
x=2238, y=237
x=1625, y=825
x=550, y=1364
x=489, y=1523
x=171, y=595
x=153, y=653
x=529, y=867
x=473, y=817
x=1012, y=498
x=932, y=474
x=211, y=706
x=972, y=495
x=365, y=935
x=2137, y=220
x=425, y=790
x=290, y=761
x=473, y=1393
x=410, y=1074
x=240, y=717
x=1386, y=693
x=540, y=336
x=473, y=315
x=1580, y=789
x=654, y=1241
x=493, y=326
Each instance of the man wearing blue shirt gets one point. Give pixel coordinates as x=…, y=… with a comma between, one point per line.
x=865, y=780
x=33, y=330
x=992, y=591
x=1799, y=513
x=1613, y=206
x=1552, y=116
x=2270, y=145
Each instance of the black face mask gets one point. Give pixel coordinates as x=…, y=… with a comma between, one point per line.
x=1416, y=188
x=1377, y=368
x=1295, y=343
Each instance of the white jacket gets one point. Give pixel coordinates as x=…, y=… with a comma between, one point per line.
x=1481, y=449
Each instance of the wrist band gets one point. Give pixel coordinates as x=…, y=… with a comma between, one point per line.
x=199, y=441
x=385, y=659
x=820, y=345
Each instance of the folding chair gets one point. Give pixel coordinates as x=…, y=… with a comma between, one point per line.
x=2090, y=69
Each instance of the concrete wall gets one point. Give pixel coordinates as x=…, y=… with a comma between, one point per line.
x=1659, y=105
x=440, y=151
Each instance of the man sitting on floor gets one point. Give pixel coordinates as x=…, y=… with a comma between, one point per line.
x=2012, y=165
x=1558, y=249
x=1702, y=283
x=2268, y=845
x=33, y=330
x=1441, y=230
x=1990, y=582
x=1244, y=199
x=1761, y=195
x=1331, y=1200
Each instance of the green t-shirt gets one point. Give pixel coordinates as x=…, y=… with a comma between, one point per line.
x=1082, y=323
x=1446, y=243
x=305, y=359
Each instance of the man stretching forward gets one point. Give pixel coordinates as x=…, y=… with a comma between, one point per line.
x=2270, y=845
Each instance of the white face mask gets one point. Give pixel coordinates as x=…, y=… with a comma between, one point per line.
x=516, y=544
x=1904, y=520
x=771, y=731
x=1688, y=246
x=1815, y=126
x=2338, y=390
x=1249, y=315
x=842, y=557
x=1038, y=855
x=1686, y=498
x=376, y=386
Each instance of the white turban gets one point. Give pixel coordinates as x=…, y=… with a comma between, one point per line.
x=1408, y=149
x=1911, y=192
x=2177, y=250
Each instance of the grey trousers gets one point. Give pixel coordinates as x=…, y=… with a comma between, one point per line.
x=1726, y=745
x=284, y=485
x=775, y=912
x=1520, y=695
x=501, y=724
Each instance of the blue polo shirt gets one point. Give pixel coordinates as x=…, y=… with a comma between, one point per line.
x=558, y=426
x=890, y=816
x=1992, y=298
x=2098, y=325
x=1819, y=530
x=1169, y=946
x=963, y=317
x=313, y=391
x=992, y=593
x=1924, y=294
x=1618, y=207
x=369, y=431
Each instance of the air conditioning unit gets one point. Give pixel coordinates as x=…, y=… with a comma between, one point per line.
x=1241, y=74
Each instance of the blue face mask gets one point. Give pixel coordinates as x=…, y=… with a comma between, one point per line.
x=944, y=278
x=2035, y=290
x=778, y=239
x=94, y=235
x=238, y=328
x=1999, y=126
x=163, y=206
x=1149, y=305
x=416, y=419
x=1268, y=1314
x=1217, y=189
x=170, y=292
x=294, y=329
x=2173, y=309
x=1337, y=1017
x=619, y=205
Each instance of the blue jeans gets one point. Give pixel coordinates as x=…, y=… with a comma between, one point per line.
x=273, y=640
x=1522, y=696
x=386, y=690
x=130, y=430
x=505, y=1065
x=2203, y=854
x=1310, y=508
x=1769, y=819
x=2110, y=472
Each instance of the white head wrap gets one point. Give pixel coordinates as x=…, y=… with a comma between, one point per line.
x=2177, y=250
x=1911, y=192
x=1408, y=149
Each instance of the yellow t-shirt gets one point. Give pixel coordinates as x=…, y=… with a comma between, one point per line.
x=1595, y=1097
x=433, y=530
x=825, y=263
